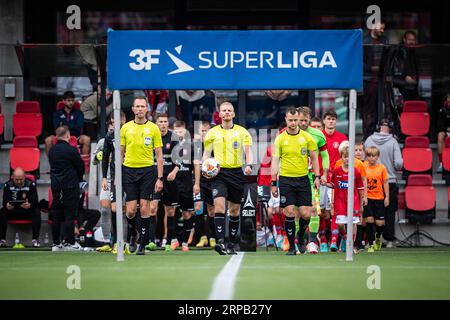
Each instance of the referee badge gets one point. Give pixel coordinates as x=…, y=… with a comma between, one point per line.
x=303, y=151
x=283, y=199
x=147, y=141
x=215, y=192
x=235, y=145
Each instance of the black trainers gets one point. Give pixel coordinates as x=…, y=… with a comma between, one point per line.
x=291, y=252
x=230, y=249
x=220, y=249
x=140, y=251
x=133, y=244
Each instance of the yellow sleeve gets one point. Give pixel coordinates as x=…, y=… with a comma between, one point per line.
x=122, y=136
x=247, y=138
x=209, y=139
x=157, y=139
x=276, y=147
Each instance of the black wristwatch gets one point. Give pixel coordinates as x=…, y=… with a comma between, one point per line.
x=161, y=178
x=273, y=183
x=314, y=177
x=249, y=165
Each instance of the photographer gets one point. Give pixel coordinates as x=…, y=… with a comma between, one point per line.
x=20, y=202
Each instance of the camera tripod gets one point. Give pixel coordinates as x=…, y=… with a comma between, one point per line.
x=265, y=221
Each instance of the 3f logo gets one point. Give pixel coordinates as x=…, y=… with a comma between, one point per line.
x=144, y=59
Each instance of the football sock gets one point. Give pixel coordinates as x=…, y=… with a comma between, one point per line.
x=313, y=228
x=131, y=227
x=370, y=232
x=188, y=225
x=145, y=230
x=359, y=235
x=170, y=228
x=379, y=231
x=152, y=229
x=219, y=222
x=233, y=225
x=289, y=225
x=303, y=225
x=212, y=227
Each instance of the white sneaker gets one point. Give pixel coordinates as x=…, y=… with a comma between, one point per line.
x=389, y=244
x=57, y=247
x=164, y=242
x=73, y=247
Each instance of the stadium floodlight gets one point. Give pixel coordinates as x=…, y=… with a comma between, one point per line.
x=118, y=175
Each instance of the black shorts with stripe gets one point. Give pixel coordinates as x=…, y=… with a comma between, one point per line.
x=295, y=191
x=229, y=183
x=138, y=183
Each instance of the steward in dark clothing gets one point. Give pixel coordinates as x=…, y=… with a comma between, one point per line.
x=67, y=170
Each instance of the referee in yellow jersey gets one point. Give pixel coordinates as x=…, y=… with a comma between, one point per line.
x=140, y=178
x=229, y=142
x=292, y=148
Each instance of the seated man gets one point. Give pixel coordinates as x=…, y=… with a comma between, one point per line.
x=71, y=118
x=20, y=202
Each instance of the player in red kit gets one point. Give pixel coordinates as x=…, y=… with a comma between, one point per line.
x=339, y=180
x=334, y=139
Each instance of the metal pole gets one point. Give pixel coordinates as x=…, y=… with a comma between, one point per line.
x=351, y=175
x=118, y=175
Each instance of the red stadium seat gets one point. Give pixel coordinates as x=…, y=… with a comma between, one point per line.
x=27, y=124
x=28, y=107
x=420, y=197
x=60, y=105
x=87, y=162
x=2, y=123
x=417, y=156
x=25, y=154
x=446, y=161
x=73, y=142
x=415, y=119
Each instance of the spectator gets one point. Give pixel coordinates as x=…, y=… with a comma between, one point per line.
x=91, y=108
x=405, y=73
x=20, y=202
x=73, y=119
x=195, y=105
x=67, y=170
x=443, y=127
x=391, y=158
x=158, y=99
x=372, y=62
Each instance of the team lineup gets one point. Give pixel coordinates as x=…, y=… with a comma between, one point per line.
x=307, y=171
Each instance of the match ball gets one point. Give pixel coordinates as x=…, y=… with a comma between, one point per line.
x=210, y=168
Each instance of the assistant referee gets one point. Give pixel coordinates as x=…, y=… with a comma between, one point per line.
x=228, y=141
x=292, y=148
x=140, y=178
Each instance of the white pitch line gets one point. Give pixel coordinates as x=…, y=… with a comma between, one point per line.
x=223, y=287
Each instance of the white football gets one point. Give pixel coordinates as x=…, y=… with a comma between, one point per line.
x=210, y=168
x=312, y=248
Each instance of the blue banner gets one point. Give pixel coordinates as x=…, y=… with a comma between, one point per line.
x=287, y=59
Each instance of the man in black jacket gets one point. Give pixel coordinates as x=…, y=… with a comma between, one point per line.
x=20, y=202
x=67, y=170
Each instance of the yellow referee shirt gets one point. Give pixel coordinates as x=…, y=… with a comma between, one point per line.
x=139, y=141
x=292, y=149
x=228, y=145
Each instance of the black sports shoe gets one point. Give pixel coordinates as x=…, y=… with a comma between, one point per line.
x=133, y=245
x=301, y=243
x=291, y=252
x=230, y=249
x=140, y=251
x=220, y=249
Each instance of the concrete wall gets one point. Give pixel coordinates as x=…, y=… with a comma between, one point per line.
x=11, y=31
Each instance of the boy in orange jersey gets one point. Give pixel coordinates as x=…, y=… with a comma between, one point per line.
x=378, y=197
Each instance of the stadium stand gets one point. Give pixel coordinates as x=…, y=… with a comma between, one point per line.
x=27, y=121
x=25, y=154
x=446, y=161
x=60, y=105
x=415, y=119
x=417, y=156
x=420, y=198
x=28, y=107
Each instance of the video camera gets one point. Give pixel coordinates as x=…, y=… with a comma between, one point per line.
x=263, y=193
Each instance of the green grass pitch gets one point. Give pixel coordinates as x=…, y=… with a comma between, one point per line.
x=416, y=273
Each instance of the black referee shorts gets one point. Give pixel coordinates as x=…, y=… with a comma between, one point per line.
x=168, y=195
x=295, y=191
x=229, y=183
x=374, y=208
x=138, y=183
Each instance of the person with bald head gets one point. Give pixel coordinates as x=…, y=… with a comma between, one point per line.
x=20, y=202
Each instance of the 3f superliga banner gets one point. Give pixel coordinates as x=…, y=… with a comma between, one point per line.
x=281, y=59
